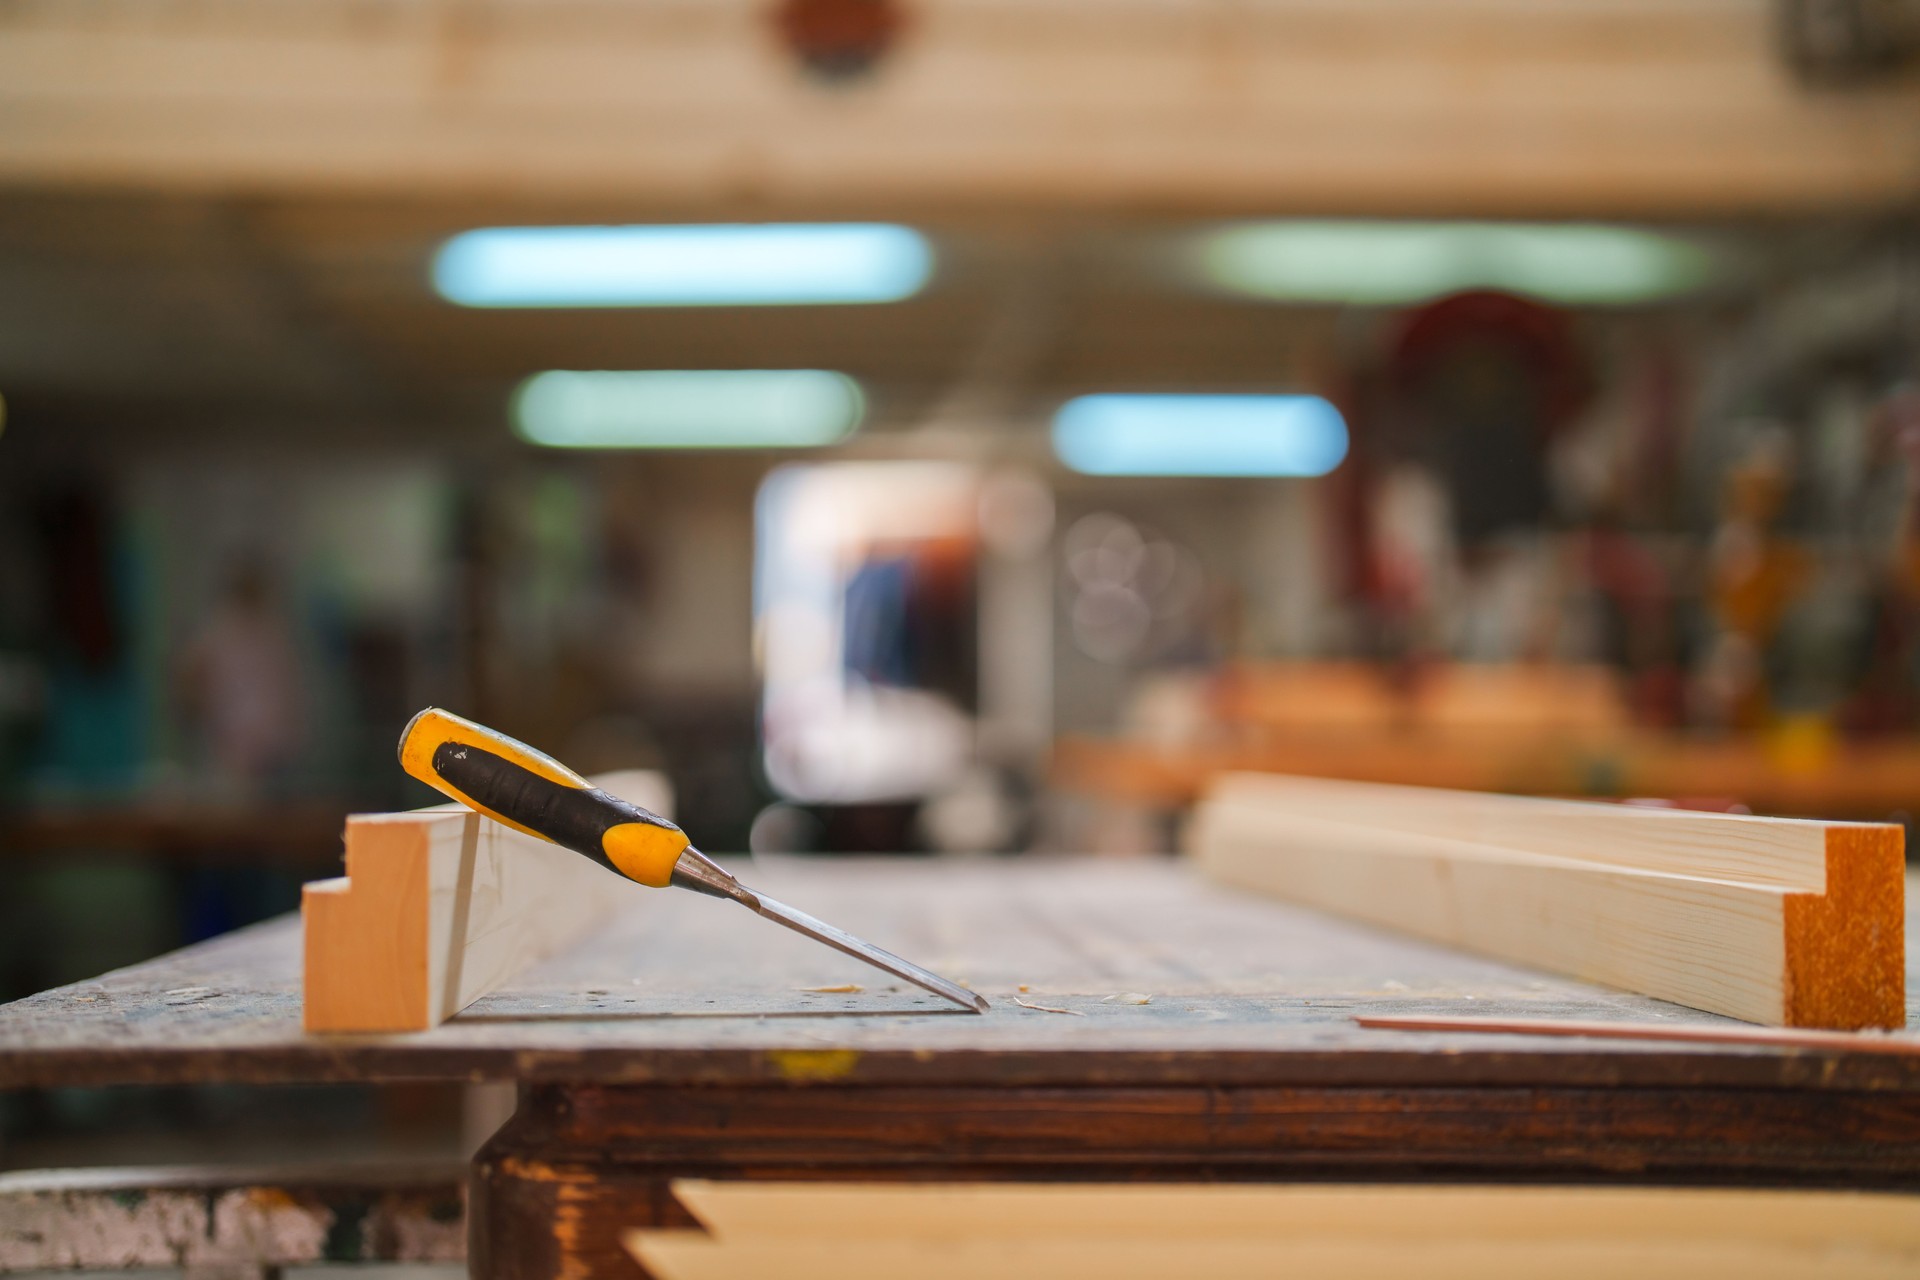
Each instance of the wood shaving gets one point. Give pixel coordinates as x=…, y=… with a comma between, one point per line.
x=1131, y=997
x=844, y=989
x=1047, y=1008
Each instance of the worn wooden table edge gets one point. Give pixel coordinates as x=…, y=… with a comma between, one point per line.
x=1254, y=1010
x=1563, y=1064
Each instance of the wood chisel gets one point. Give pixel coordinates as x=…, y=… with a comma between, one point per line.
x=530, y=791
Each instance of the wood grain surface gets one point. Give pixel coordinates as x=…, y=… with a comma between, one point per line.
x=440, y=906
x=838, y=1231
x=1773, y=920
x=685, y=1256
x=682, y=989
x=961, y=1211
x=1583, y=107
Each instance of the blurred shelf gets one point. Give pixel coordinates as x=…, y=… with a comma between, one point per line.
x=305, y=833
x=1863, y=780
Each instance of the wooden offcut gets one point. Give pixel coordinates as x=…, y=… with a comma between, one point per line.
x=440, y=906
x=934, y=1230
x=1597, y=1029
x=1778, y=921
x=781, y=1210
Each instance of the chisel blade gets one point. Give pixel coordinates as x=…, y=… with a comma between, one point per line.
x=841, y=940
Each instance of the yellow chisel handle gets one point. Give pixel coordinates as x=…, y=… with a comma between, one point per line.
x=530, y=791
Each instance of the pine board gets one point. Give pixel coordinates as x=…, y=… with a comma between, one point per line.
x=853, y=1231
x=441, y=906
x=695, y=1259
x=1776, y=921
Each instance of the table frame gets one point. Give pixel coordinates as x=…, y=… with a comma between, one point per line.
x=578, y=1165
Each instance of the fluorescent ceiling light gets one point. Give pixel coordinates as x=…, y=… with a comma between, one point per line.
x=1393, y=263
x=1200, y=435
x=773, y=264
x=691, y=409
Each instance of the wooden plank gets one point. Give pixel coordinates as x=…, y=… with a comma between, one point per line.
x=1383, y=107
x=1770, y=920
x=687, y=1257
x=946, y=1229
x=1784, y=852
x=737, y=1211
x=1852, y=1042
x=441, y=906
x=1244, y=989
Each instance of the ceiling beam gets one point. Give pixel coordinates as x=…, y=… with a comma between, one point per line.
x=678, y=108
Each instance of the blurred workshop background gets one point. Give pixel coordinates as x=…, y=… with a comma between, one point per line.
x=955, y=425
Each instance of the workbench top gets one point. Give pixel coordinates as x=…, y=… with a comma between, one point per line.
x=686, y=990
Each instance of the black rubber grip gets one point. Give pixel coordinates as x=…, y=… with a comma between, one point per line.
x=576, y=818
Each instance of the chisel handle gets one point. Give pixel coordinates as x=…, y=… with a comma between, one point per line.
x=530, y=791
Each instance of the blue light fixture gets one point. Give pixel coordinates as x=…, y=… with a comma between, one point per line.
x=1397, y=263
x=687, y=409
x=771, y=264
x=1200, y=435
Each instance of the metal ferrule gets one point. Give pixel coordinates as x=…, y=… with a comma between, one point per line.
x=696, y=871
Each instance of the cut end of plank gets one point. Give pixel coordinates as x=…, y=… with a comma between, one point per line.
x=365, y=943
x=440, y=906
x=1846, y=948
x=1784, y=922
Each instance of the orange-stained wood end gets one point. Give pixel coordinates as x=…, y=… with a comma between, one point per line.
x=441, y=906
x=1846, y=948
x=366, y=945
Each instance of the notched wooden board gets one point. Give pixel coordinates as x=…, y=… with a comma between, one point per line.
x=441, y=906
x=1777, y=921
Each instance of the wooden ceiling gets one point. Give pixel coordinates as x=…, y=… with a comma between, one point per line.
x=222, y=211
x=1631, y=107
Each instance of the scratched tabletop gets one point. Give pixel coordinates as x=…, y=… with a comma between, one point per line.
x=1162, y=977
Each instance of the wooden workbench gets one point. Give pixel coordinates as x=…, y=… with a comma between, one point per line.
x=679, y=1042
